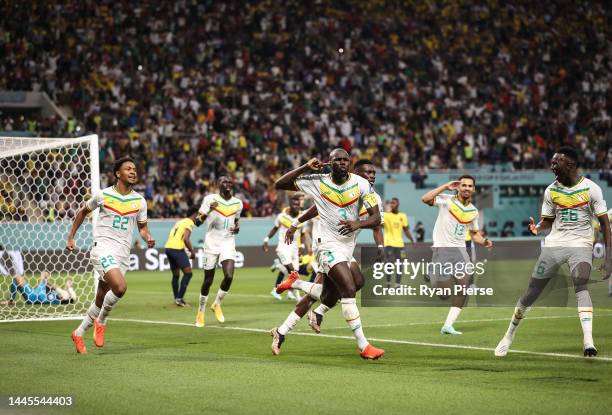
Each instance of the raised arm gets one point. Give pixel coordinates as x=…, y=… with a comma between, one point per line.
x=287, y=181
x=429, y=197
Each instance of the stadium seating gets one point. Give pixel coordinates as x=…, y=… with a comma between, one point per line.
x=428, y=86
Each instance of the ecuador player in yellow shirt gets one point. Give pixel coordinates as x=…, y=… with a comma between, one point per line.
x=178, y=240
x=395, y=223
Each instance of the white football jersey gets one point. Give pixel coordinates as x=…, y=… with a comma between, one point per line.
x=573, y=209
x=337, y=202
x=454, y=220
x=114, y=228
x=221, y=219
x=283, y=222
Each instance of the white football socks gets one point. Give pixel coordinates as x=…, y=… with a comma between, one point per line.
x=92, y=313
x=520, y=311
x=220, y=296
x=110, y=299
x=453, y=313
x=289, y=324
x=312, y=289
x=321, y=309
x=351, y=315
x=203, y=301
x=585, y=313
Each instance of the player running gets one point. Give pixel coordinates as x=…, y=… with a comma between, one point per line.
x=288, y=253
x=570, y=203
x=338, y=197
x=222, y=211
x=456, y=215
x=121, y=209
x=366, y=169
x=178, y=241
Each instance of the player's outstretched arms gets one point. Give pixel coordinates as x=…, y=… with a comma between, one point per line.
x=429, y=197
x=287, y=181
x=76, y=224
x=545, y=224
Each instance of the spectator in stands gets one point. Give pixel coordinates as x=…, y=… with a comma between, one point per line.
x=261, y=87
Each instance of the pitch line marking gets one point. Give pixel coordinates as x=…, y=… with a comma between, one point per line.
x=425, y=323
x=393, y=341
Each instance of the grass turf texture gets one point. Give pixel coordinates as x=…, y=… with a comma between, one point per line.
x=163, y=368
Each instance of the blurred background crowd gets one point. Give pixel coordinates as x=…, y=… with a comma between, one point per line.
x=198, y=89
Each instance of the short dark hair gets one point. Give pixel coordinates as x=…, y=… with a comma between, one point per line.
x=192, y=210
x=569, y=152
x=395, y=199
x=362, y=162
x=468, y=176
x=119, y=162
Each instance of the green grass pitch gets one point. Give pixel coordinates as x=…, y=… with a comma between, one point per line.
x=167, y=365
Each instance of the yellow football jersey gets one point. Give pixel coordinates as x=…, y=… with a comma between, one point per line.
x=175, y=238
x=394, y=224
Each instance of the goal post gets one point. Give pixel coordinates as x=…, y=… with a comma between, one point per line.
x=43, y=184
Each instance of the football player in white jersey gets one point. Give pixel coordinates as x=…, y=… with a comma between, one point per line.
x=568, y=209
x=222, y=212
x=288, y=253
x=366, y=169
x=456, y=216
x=338, y=197
x=121, y=211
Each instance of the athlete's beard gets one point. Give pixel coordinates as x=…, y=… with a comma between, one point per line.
x=226, y=194
x=464, y=200
x=340, y=177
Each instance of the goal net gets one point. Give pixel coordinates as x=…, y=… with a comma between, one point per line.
x=43, y=183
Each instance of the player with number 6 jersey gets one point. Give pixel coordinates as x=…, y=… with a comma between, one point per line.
x=570, y=205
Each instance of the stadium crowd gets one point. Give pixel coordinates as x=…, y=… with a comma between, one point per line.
x=197, y=89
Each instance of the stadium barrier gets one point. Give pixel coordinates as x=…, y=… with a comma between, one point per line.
x=155, y=259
